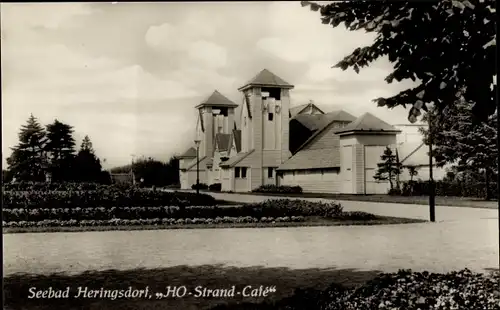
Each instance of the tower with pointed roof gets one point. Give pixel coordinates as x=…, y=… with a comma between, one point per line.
x=215, y=115
x=265, y=125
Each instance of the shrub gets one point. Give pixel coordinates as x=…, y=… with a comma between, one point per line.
x=103, y=196
x=216, y=187
x=449, y=188
x=278, y=189
x=200, y=186
x=394, y=192
x=402, y=290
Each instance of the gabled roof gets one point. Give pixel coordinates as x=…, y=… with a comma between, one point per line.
x=189, y=153
x=223, y=141
x=233, y=161
x=217, y=99
x=313, y=159
x=266, y=78
x=297, y=109
x=294, y=111
x=237, y=139
x=324, y=121
x=413, y=154
x=319, y=121
x=202, y=163
x=368, y=123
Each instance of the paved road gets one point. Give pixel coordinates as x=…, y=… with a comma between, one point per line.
x=463, y=237
x=380, y=208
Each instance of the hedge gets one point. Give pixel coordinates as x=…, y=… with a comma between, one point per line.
x=201, y=186
x=216, y=187
x=450, y=189
x=278, y=189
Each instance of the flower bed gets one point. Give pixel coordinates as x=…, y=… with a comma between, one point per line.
x=277, y=210
x=154, y=221
x=270, y=208
x=103, y=196
x=404, y=290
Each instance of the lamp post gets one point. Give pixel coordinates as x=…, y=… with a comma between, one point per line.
x=197, y=142
x=132, y=168
x=432, y=194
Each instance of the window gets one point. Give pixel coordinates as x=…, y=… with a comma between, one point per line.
x=245, y=121
x=274, y=92
x=270, y=116
x=237, y=172
x=269, y=172
x=243, y=172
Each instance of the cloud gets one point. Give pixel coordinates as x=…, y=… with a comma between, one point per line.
x=129, y=75
x=190, y=38
x=48, y=15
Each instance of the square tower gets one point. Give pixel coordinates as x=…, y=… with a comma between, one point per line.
x=215, y=115
x=265, y=123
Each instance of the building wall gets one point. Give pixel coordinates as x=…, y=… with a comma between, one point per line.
x=409, y=133
x=423, y=174
x=372, y=158
x=243, y=184
x=207, y=141
x=314, y=181
x=227, y=182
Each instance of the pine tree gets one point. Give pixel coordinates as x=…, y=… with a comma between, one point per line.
x=60, y=148
x=389, y=168
x=88, y=166
x=461, y=139
x=28, y=161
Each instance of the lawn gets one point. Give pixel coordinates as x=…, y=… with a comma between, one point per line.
x=420, y=200
x=285, y=281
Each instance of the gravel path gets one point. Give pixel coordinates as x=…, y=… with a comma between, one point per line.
x=438, y=247
x=462, y=237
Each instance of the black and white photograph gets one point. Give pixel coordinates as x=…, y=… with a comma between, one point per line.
x=289, y=155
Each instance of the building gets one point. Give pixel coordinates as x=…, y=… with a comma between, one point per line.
x=332, y=152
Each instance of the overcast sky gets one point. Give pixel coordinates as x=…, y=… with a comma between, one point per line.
x=129, y=74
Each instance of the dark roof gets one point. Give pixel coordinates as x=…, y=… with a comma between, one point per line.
x=217, y=99
x=231, y=162
x=237, y=139
x=313, y=159
x=223, y=141
x=190, y=153
x=294, y=111
x=314, y=122
x=266, y=78
x=368, y=123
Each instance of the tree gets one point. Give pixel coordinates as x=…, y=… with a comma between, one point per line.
x=389, y=168
x=463, y=141
x=60, y=148
x=412, y=171
x=152, y=171
x=448, y=46
x=28, y=161
x=88, y=166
